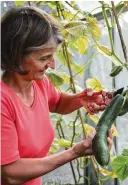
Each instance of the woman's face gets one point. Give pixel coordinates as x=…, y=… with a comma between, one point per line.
x=38, y=62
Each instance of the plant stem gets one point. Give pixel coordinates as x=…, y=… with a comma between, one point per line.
x=108, y=27
x=120, y=32
x=86, y=65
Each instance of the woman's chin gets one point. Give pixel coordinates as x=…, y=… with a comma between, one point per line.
x=40, y=76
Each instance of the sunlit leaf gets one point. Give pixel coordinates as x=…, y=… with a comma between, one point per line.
x=126, y=4
x=64, y=143
x=19, y=3
x=68, y=15
x=93, y=28
x=54, y=147
x=120, y=167
x=60, y=54
x=115, y=133
x=76, y=67
x=107, y=53
x=55, y=77
x=94, y=118
x=73, y=33
x=88, y=129
x=71, y=24
x=66, y=77
x=94, y=83
x=91, y=20
x=107, y=173
x=82, y=44
x=103, y=49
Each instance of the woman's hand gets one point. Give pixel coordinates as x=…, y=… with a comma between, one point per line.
x=84, y=148
x=93, y=104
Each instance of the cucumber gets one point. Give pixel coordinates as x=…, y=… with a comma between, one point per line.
x=99, y=142
x=116, y=70
x=124, y=108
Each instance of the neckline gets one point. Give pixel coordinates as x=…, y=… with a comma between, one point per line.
x=19, y=99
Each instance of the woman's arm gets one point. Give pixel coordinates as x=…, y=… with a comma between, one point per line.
x=25, y=169
x=71, y=102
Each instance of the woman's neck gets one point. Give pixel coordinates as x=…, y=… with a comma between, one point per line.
x=17, y=82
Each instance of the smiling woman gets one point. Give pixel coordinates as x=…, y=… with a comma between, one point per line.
x=29, y=38
x=28, y=30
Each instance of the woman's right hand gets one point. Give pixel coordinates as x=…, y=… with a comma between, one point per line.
x=84, y=147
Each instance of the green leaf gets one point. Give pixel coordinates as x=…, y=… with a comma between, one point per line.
x=73, y=33
x=64, y=143
x=120, y=167
x=61, y=57
x=66, y=77
x=77, y=67
x=94, y=83
x=54, y=147
x=68, y=15
x=55, y=77
x=94, y=118
x=93, y=28
x=107, y=53
x=82, y=44
x=125, y=152
x=19, y=3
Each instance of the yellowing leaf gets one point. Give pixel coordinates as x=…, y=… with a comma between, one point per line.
x=82, y=44
x=87, y=128
x=55, y=77
x=126, y=4
x=103, y=49
x=94, y=83
x=64, y=143
x=94, y=30
x=19, y=3
x=107, y=173
x=94, y=118
x=107, y=53
x=115, y=133
x=91, y=20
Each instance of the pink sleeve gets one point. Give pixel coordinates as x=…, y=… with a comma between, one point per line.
x=52, y=93
x=9, y=139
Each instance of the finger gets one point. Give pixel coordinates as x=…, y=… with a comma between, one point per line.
x=96, y=107
x=102, y=107
x=110, y=133
x=109, y=141
x=92, y=134
x=90, y=110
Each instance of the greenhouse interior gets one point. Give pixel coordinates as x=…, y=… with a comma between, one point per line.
x=93, y=55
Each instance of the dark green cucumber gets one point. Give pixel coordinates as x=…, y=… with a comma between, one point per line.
x=124, y=108
x=99, y=142
x=116, y=70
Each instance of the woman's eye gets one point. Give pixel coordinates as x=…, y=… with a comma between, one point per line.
x=43, y=59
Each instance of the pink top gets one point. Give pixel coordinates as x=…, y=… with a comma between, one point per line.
x=27, y=132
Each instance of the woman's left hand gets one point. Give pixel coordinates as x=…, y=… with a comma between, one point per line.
x=93, y=104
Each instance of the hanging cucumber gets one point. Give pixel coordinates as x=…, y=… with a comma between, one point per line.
x=116, y=70
x=99, y=142
x=124, y=108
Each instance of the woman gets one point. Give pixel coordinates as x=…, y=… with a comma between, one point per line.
x=29, y=38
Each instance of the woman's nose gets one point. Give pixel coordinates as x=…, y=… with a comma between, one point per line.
x=51, y=63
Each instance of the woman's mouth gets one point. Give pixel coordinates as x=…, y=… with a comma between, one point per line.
x=41, y=71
